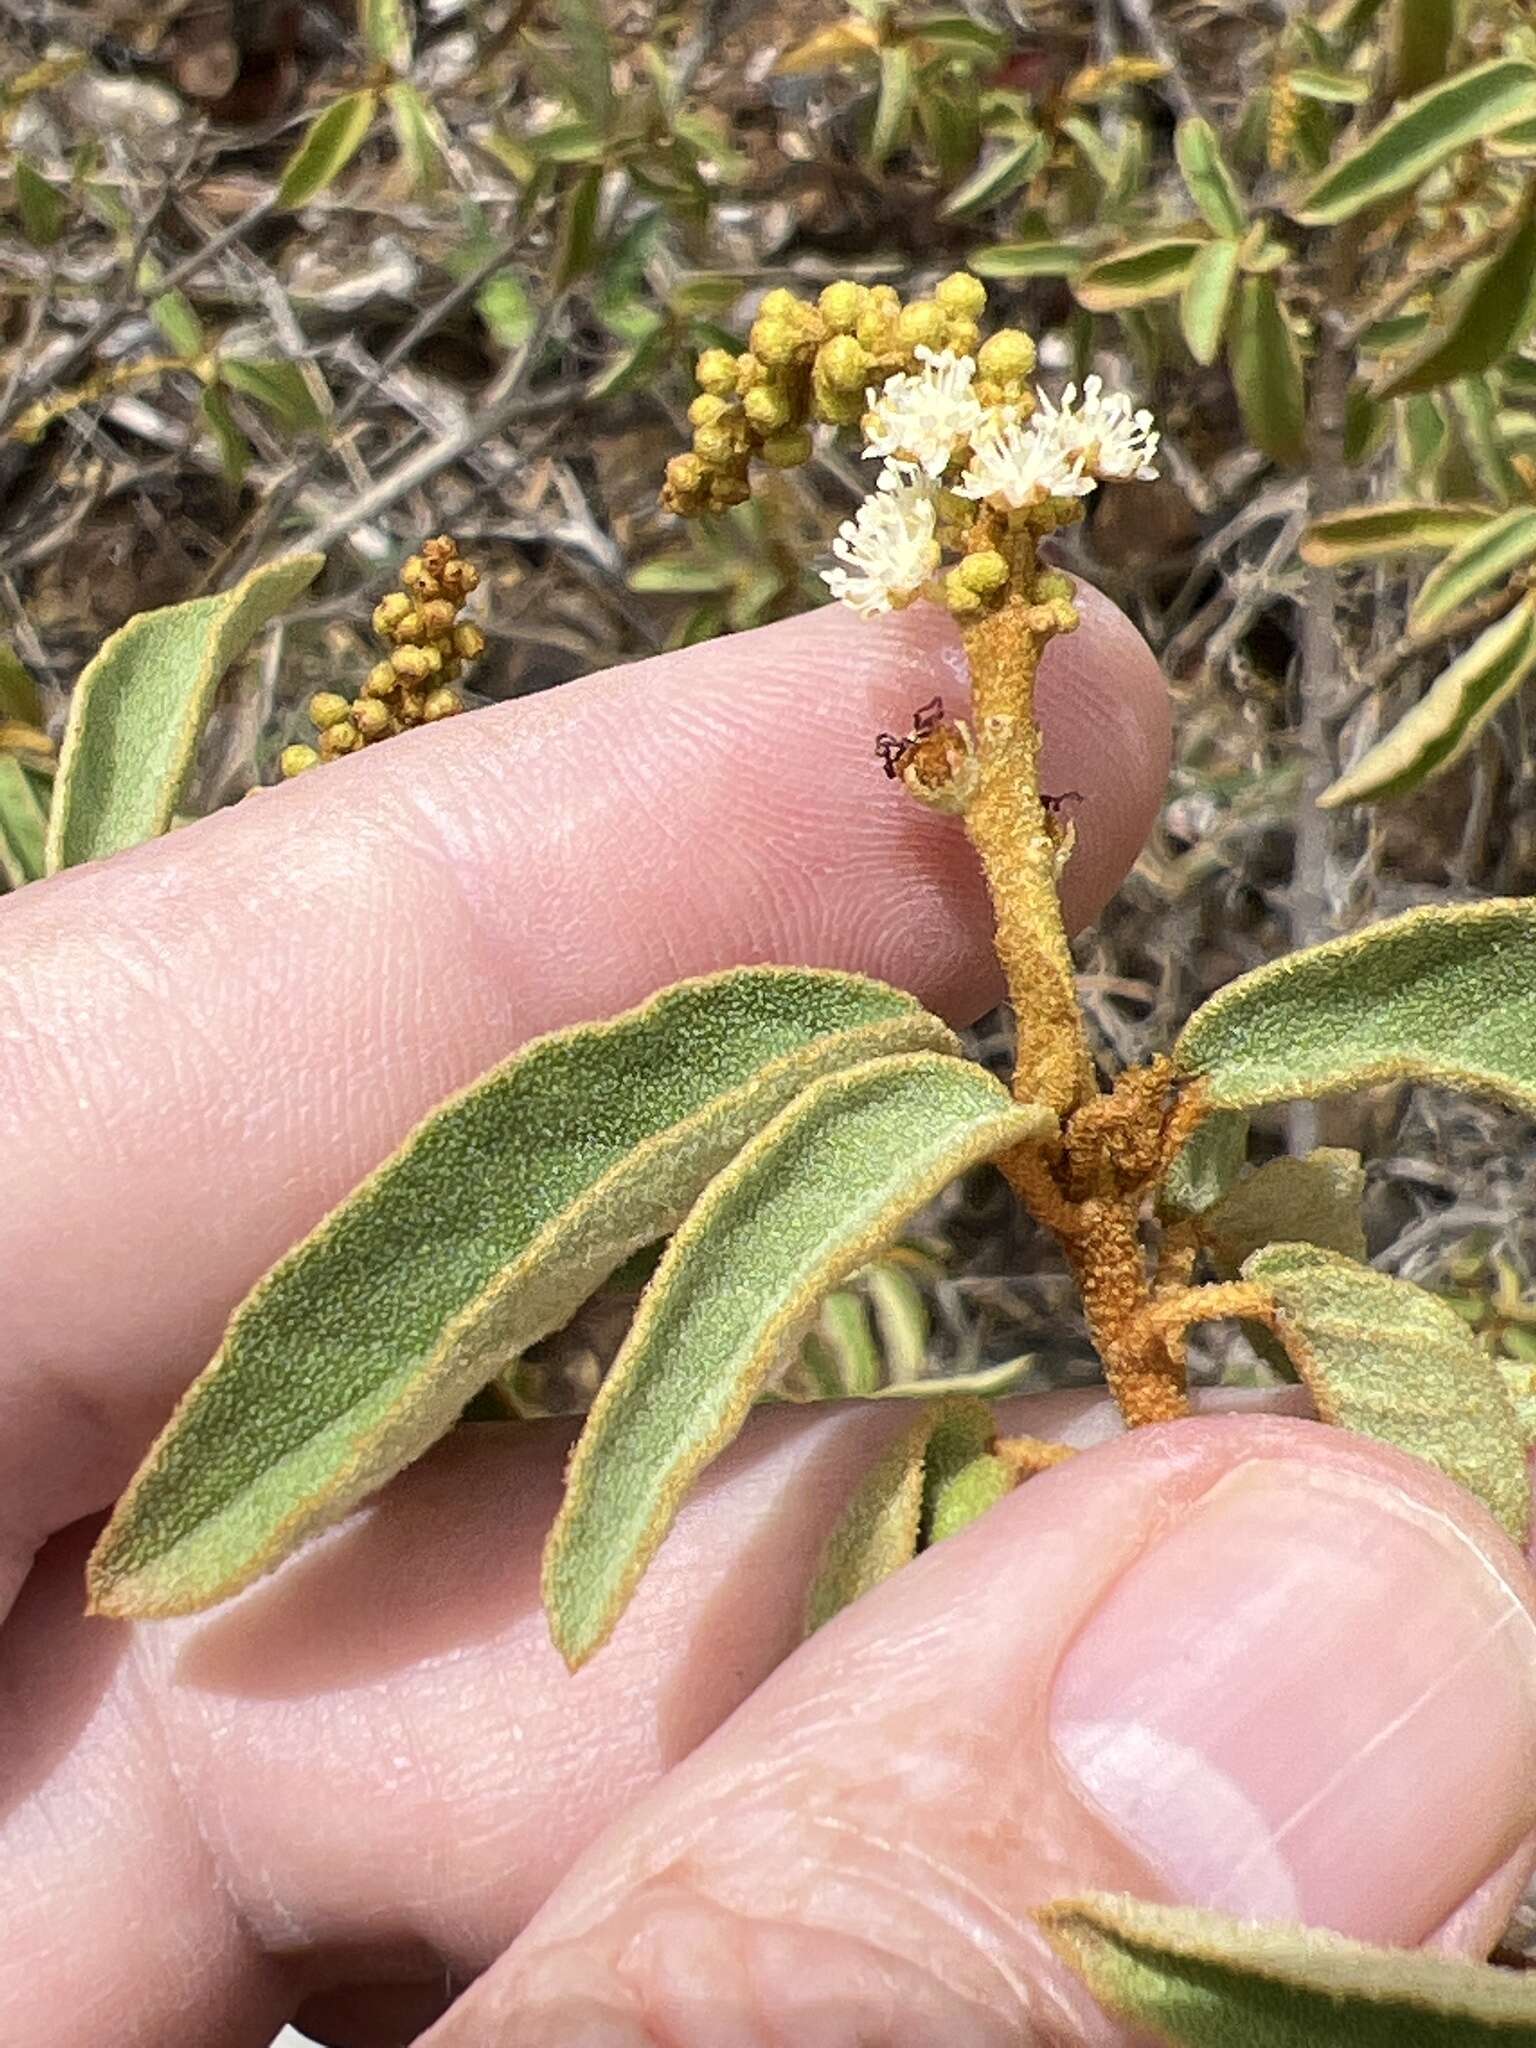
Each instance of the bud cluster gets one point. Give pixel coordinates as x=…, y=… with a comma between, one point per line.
x=807, y=362
x=430, y=646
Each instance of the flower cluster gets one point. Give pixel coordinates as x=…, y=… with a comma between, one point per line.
x=969, y=451
x=430, y=645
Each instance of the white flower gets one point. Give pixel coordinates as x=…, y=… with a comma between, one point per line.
x=921, y=418
x=888, y=550
x=1013, y=464
x=1113, y=442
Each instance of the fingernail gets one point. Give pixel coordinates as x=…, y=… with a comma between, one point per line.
x=1314, y=1699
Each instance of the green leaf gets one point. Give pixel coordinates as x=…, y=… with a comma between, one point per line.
x=585, y=60
x=1403, y=527
x=990, y=1381
x=386, y=26
x=1477, y=418
x=1392, y=1361
x=1445, y=722
x=283, y=388
x=998, y=176
x=1136, y=276
x=1484, y=558
x=878, y=1532
x=23, y=825
x=1206, y=1165
x=1207, y=299
x=20, y=697
x=962, y=1474
x=577, y=243
x=418, y=137
x=140, y=706
x=893, y=105
x=1313, y=1200
x=1420, y=135
x=1423, y=35
x=1266, y=372
x=332, y=141
x=1027, y=259
x=172, y=313
x=505, y=307
x=1443, y=994
x=1484, y=317
x=1211, y=183
x=484, y=1232
x=813, y=1197
x=235, y=452
x=1328, y=87
x=41, y=206
x=1200, y=1980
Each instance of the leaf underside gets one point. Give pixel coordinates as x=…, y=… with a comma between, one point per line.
x=498, y=1216
x=816, y=1194
x=1202, y=1980
x=1443, y=995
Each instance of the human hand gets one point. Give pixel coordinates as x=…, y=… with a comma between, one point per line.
x=1243, y=1661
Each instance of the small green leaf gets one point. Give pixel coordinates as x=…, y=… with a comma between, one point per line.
x=483, y=1233
x=1266, y=372
x=42, y=207
x=962, y=1474
x=140, y=706
x=584, y=66
x=1211, y=183
x=998, y=176
x=1445, y=722
x=1486, y=557
x=577, y=242
x=877, y=1533
x=990, y=1381
x=1200, y=1980
x=1423, y=35
x=418, y=137
x=1443, y=994
x=20, y=697
x=282, y=388
x=1477, y=420
x=893, y=104
x=1482, y=318
x=1313, y=1200
x=172, y=313
x=23, y=825
x=1392, y=1361
x=1027, y=259
x=1329, y=87
x=1368, y=533
x=1207, y=299
x=1206, y=1165
x=332, y=141
x=1138, y=275
x=1418, y=136
x=813, y=1197
x=235, y=452
x=386, y=26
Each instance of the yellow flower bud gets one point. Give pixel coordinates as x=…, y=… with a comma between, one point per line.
x=961, y=600
x=922, y=323
x=414, y=663
x=1052, y=587
x=841, y=304
x=962, y=296
x=327, y=709
x=437, y=617
x=381, y=681
x=749, y=372
x=843, y=366
x=437, y=552
x=1007, y=356
x=411, y=702
x=715, y=372
x=468, y=642
x=294, y=760
x=412, y=629
x=767, y=408
x=723, y=443
x=460, y=578
x=781, y=304
x=441, y=704
x=963, y=337
x=876, y=331
x=838, y=408
x=707, y=409
x=389, y=611
x=340, y=739
x=885, y=298
x=728, y=489
x=373, y=719
x=984, y=572
x=788, y=451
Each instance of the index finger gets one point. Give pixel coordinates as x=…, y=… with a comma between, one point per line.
x=208, y=1040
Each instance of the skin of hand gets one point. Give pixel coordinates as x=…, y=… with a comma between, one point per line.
x=1243, y=1661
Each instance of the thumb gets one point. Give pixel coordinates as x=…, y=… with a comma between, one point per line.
x=1253, y=1664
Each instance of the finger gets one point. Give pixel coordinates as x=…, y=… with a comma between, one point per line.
x=209, y=1040
x=1254, y=1665
x=373, y=1767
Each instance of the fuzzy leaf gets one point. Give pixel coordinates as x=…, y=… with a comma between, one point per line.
x=1484, y=316
x=332, y=141
x=990, y=1381
x=877, y=1533
x=1206, y=1165
x=1421, y=134
x=1445, y=995
x=485, y=1231
x=1027, y=259
x=1369, y=533
x=1393, y=1362
x=1136, y=276
x=1200, y=1980
x=1314, y=1200
x=962, y=1473
x=173, y=314
x=386, y=26
x=1266, y=372
x=1445, y=722
x=23, y=825
x=893, y=105
x=1330, y=88
x=1207, y=299
x=1485, y=557
x=813, y=1197
x=1211, y=184
x=140, y=706
x=418, y=136
x=997, y=176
